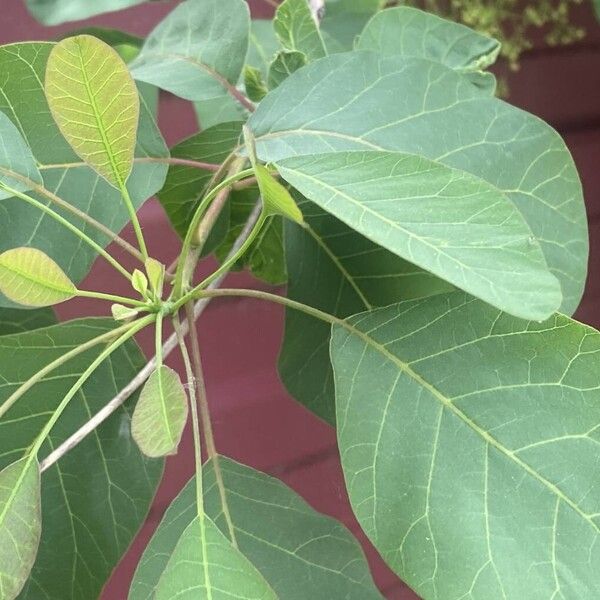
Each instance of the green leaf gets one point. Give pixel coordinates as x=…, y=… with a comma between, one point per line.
x=597, y=7
x=96, y=497
x=185, y=185
x=54, y=12
x=469, y=443
x=139, y=282
x=160, y=414
x=256, y=88
x=410, y=32
x=335, y=269
x=284, y=65
x=29, y=277
x=112, y=37
x=13, y=320
x=17, y=165
x=156, y=276
x=446, y=221
x=20, y=524
x=275, y=197
x=95, y=103
x=344, y=20
x=263, y=45
x=22, y=98
x=275, y=529
x=204, y=564
x=297, y=30
x=443, y=117
x=265, y=257
x=196, y=52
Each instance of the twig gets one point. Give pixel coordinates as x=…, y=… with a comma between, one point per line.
x=141, y=377
x=186, y=162
x=209, y=436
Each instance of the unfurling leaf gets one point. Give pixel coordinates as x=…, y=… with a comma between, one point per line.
x=139, y=282
x=20, y=524
x=204, y=564
x=256, y=88
x=156, y=276
x=297, y=30
x=123, y=313
x=160, y=414
x=275, y=197
x=31, y=278
x=95, y=103
x=284, y=65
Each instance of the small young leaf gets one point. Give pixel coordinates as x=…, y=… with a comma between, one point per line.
x=139, y=282
x=276, y=199
x=297, y=30
x=30, y=277
x=156, y=276
x=95, y=103
x=160, y=414
x=123, y=313
x=204, y=564
x=284, y=65
x=256, y=88
x=20, y=524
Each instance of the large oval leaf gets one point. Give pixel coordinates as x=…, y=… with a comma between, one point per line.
x=23, y=99
x=13, y=320
x=20, y=524
x=18, y=169
x=473, y=482
x=271, y=524
x=441, y=116
x=160, y=414
x=204, y=564
x=95, y=103
x=30, y=277
x=96, y=497
x=54, y=12
x=198, y=51
x=297, y=30
x=445, y=221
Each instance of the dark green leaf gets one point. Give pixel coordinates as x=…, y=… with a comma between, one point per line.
x=96, y=497
x=20, y=524
x=301, y=553
x=284, y=65
x=22, y=99
x=297, y=30
x=13, y=320
x=198, y=50
x=444, y=118
x=469, y=442
x=256, y=88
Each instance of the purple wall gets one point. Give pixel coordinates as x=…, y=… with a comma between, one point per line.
x=256, y=422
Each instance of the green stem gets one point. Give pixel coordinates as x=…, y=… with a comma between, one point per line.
x=135, y=221
x=133, y=328
x=226, y=266
x=195, y=421
x=61, y=360
x=111, y=298
x=183, y=264
x=82, y=236
x=158, y=335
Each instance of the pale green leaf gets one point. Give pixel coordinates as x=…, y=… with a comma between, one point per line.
x=123, y=313
x=446, y=221
x=469, y=442
x=297, y=30
x=332, y=267
x=410, y=32
x=18, y=169
x=29, y=277
x=95, y=103
x=223, y=109
x=301, y=553
x=275, y=197
x=54, y=12
x=139, y=282
x=156, y=276
x=256, y=88
x=160, y=414
x=97, y=496
x=204, y=564
x=284, y=65
x=14, y=320
x=20, y=524
x=344, y=20
x=198, y=50
x=22, y=98
x=443, y=117
x=263, y=45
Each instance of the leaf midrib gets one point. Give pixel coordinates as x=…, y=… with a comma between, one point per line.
x=448, y=404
